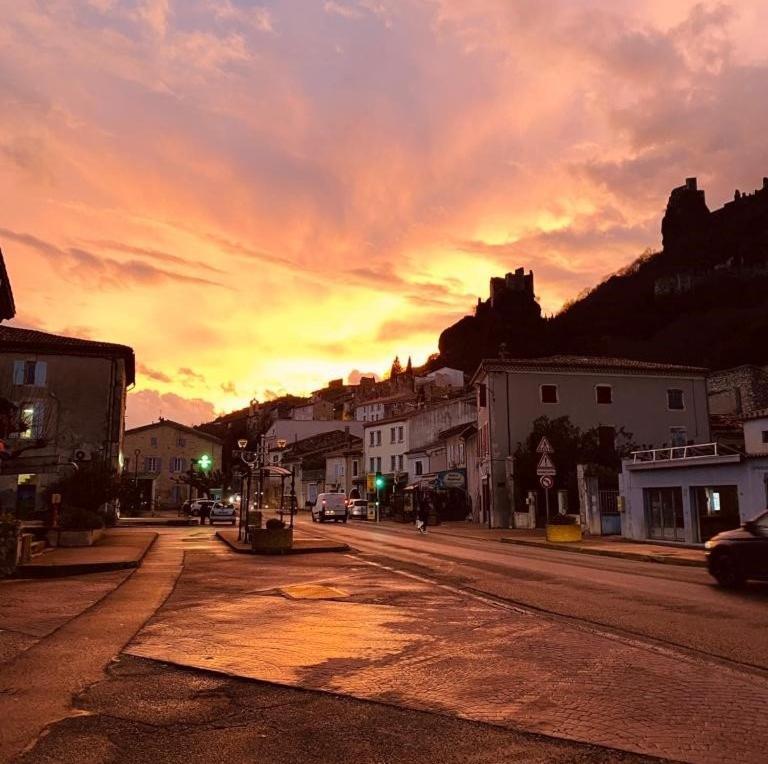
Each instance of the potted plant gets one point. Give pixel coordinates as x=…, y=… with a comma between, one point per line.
x=77, y=527
x=9, y=544
x=274, y=538
x=563, y=528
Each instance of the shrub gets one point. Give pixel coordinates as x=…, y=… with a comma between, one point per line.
x=78, y=519
x=563, y=520
x=274, y=524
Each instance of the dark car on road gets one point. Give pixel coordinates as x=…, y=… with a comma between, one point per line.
x=737, y=555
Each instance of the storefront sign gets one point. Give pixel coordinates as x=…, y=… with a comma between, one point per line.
x=451, y=479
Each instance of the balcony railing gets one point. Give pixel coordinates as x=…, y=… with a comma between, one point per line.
x=679, y=453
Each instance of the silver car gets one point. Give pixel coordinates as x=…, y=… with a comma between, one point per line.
x=223, y=513
x=358, y=508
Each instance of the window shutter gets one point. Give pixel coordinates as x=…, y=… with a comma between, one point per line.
x=41, y=373
x=38, y=420
x=18, y=372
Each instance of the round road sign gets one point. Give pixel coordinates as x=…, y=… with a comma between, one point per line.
x=546, y=481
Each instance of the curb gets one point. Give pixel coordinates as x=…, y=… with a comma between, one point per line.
x=305, y=550
x=157, y=522
x=31, y=570
x=637, y=556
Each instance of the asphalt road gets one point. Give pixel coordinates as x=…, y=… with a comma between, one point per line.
x=675, y=605
x=149, y=712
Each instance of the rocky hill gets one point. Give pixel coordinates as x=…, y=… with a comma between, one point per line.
x=702, y=300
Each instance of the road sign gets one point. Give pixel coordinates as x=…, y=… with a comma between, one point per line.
x=544, y=447
x=546, y=481
x=545, y=466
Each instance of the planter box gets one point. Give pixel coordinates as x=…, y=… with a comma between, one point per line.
x=271, y=540
x=74, y=538
x=563, y=533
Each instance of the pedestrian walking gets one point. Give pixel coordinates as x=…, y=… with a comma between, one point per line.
x=422, y=515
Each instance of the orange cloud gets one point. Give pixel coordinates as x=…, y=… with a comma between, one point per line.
x=275, y=194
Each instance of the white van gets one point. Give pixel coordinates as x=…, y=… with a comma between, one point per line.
x=330, y=506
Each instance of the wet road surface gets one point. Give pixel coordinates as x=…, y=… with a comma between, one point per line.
x=392, y=636
x=680, y=606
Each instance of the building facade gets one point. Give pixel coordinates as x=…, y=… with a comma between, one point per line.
x=689, y=495
x=385, y=444
x=160, y=455
x=657, y=404
x=69, y=397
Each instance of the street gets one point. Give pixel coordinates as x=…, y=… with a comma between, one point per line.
x=401, y=650
x=680, y=606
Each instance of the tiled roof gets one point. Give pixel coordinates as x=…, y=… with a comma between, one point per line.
x=176, y=426
x=756, y=414
x=578, y=363
x=31, y=340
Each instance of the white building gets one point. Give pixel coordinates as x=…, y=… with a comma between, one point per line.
x=376, y=409
x=385, y=444
x=444, y=377
x=427, y=454
x=689, y=494
x=756, y=432
x=658, y=404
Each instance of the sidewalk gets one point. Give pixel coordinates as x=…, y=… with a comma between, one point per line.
x=115, y=550
x=301, y=545
x=606, y=546
x=159, y=520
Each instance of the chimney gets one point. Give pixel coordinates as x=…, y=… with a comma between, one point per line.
x=690, y=184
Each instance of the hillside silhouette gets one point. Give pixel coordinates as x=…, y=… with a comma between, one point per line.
x=701, y=300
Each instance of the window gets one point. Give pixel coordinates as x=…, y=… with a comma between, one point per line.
x=378, y=437
x=177, y=464
x=482, y=396
x=372, y=439
x=181, y=442
x=400, y=434
x=392, y=463
x=675, y=400
x=355, y=468
x=372, y=465
x=378, y=464
x=153, y=442
x=391, y=434
x=400, y=462
x=419, y=468
x=151, y=464
x=765, y=436
x=678, y=436
x=548, y=393
x=604, y=394
x=30, y=373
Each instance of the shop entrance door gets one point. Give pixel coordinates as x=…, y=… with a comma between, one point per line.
x=664, y=513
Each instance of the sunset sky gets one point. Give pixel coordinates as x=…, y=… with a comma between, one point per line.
x=261, y=196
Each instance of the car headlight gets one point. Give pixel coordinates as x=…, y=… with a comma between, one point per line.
x=709, y=544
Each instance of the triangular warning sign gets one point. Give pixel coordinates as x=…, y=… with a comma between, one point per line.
x=545, y=463
x=544, y=447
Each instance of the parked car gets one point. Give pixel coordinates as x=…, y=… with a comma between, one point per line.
x=358, y=508
x=737, y=555
x=223, y=513
x=330, y=506
x=198, y=505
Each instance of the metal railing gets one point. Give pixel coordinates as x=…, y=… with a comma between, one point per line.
x=676, y=453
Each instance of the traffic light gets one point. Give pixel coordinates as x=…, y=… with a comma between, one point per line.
x=204, y=462
x=379, y=480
